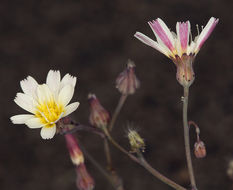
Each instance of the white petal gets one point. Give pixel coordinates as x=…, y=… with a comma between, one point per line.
x=146, y=40
x=48, y=132
x=34, y=123
x=68, y=80
x=53, y=80
x=21, y=119
x=29, y=86
x=25, y=101
x=71, y=108
x=44, y=94
x=66, y=95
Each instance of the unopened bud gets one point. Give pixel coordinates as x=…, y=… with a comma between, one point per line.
x=136, y=142
x=199, y=149
x=84, y=181
x=76, y=154
x=99, y=117
x=127, y=82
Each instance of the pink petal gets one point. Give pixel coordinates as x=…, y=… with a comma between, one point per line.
x=183, y=29
x=206, y=33
x=161, y=31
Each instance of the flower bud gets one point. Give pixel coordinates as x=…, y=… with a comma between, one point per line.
x=199, y=149
x=84, y=181
x=99, y=117
x=127, y=82
x=185, y=74
x=136, y=142
x=76, y=154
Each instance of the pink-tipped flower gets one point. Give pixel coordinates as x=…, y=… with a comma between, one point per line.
x=99, y=117
x=76, y=154
x=127, y=82
x=84, y=181
x=178, y=47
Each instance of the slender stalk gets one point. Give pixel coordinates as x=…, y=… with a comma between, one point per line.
x=154, y=172
x=107, y=154
x=117, y=111
x=99, y=167
x=143, y=163
x=186, y=138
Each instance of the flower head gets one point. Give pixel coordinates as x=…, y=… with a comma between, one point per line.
x=99, y=117
x=47, y=103
x=127, y=82
x=135, y=140
x=178, y=47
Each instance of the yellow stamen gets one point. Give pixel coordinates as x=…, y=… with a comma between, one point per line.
x=49, y=112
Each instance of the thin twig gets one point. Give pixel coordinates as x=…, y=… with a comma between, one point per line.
x=99, y=167
x=186, y=138
x=117, y=111
x=108, y=155
x=154, y=172
x=143, y=163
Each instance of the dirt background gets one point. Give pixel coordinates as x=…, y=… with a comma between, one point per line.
x=93, y=40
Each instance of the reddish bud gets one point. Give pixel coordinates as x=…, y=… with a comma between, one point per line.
x=99, y=117
x=199, y=149
x=76, y=154
x=84, y=181
x=127, y=82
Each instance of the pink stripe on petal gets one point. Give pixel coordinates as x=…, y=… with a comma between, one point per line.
x=160, y=32
x=184, y=34
x=206, y=32
x=146, y=40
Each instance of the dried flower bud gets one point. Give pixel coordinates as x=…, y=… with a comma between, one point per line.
x=199, y=149
x=136, y=142
x=230, y=169
x=127, y=82
x=84, y=181
x=99, y=117
x=76, y=154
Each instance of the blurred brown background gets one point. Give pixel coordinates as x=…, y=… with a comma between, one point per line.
x=93, y=40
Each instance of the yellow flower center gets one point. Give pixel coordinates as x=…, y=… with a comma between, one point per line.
x=49, y=113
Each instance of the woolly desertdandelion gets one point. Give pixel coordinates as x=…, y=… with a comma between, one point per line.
x=179, y=47
x=47, y=103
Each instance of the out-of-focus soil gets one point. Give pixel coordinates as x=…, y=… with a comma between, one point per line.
x=93, y=40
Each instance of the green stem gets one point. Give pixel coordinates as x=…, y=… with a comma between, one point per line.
x=107, y=154
x=186, y=138
x=143, y=163
x=117, y=111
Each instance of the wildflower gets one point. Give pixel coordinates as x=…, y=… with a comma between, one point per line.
x=127, y=82
x=47, y=103
x=199, y=149
x=76, y=154
x=178, y=47
x=136, y=142
x=84, y=181
x=99, y=117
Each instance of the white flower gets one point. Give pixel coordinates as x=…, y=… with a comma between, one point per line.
x=47, y=103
